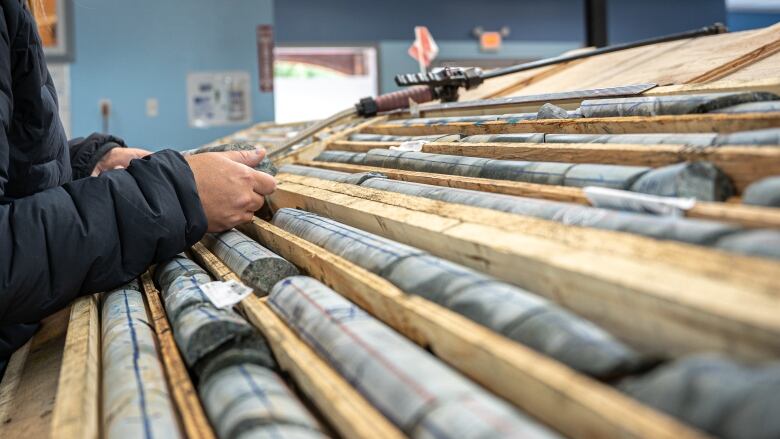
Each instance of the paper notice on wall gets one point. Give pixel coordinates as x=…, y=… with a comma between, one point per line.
x=635, y=202
x=218, y=98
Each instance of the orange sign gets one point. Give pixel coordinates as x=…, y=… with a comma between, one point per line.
x=490, y=41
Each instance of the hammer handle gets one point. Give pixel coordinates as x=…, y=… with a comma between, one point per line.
x=400, y=99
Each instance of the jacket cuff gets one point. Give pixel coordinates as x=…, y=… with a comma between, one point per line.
x=176, y=169
x=85, y=153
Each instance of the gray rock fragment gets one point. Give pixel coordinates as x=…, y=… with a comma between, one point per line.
x=178, y=266
x=551, y=111
x=424, y=162
x=360, y=137
x=326, y=174
x=283, y=431
x=248, y=350
x=769, y=136
x=179, y=280
x=763, y=242
x=516, y=117
x=715, y=394
x=433, y=121
x=257, y=266
x=610, y=176
x=185, y=292
x=135, y=398
x=765, y=192
x=691, y=139
x=376, y=359
x=700, y=180
x=341, y=157
x=243, y=399
x=751, y=107
x=506, y=138
x=496, y=305
x=266, y=165
x=668, y=105
x=529, y=172
x=202, y=329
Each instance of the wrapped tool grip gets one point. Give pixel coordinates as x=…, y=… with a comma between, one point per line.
x=393, y=101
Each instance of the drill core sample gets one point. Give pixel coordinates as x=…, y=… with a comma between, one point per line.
x=243, y=395
x=202, y=329
x=433, y=401
x=359, y=137
x=502, y=307
x=246, y=400
x=266, y=165
x=764, y=192
x=700, y=180
x=135, y=399
x=669, y=105
x=326, y=174
x=341, y=157
x=715, y=394
x=257, y=266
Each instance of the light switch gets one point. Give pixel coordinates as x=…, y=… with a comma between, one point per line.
x=152, y=107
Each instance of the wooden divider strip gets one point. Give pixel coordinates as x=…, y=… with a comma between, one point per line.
x=193, y=418
x=29, y=388
x=77, y=405
x=346, y=410
x=687, y=123
x=577, y=406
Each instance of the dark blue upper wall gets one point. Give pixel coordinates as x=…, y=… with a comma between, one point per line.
x=360, y=20
x=744, y=20
x=299, y=21
x=631, y=20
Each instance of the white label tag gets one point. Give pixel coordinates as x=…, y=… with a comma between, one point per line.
x=410, y=145
x=635, y=202
x=225, y=294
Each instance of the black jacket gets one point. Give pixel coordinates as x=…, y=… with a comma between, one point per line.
x=61, y=238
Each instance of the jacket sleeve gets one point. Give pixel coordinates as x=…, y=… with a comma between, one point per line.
x=94, y=234
x=85, y=153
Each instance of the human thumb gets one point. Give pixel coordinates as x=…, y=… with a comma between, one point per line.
x=250, y=158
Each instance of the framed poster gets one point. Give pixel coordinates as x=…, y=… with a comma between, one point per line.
x=218, y=98
x=55, y=26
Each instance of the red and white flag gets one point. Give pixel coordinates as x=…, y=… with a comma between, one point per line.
x=424, y=49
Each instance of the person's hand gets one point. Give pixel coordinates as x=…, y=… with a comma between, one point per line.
x=118, y=158
x=229, y=189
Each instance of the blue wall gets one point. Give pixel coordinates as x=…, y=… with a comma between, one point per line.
x=128, y=51
x=631, y=20
x=360, y=20
x=744, y=20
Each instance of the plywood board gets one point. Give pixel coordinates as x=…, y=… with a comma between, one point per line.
x=678, y=62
